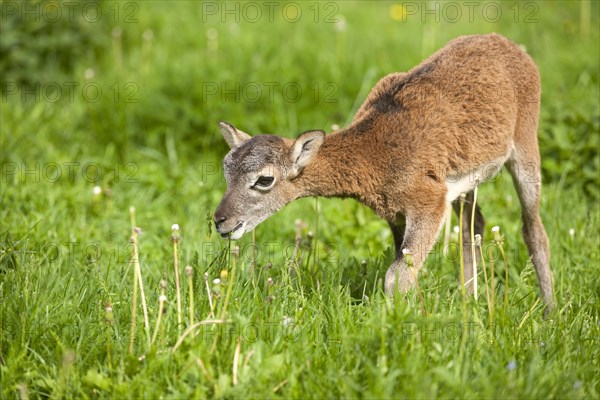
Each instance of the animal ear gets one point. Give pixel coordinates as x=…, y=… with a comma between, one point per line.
x=304, y=149
x=233, y=136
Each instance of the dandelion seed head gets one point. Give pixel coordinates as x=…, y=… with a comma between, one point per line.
x=175, y=227
x=162, y=298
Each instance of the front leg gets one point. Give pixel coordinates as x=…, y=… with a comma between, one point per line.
x=422, y=228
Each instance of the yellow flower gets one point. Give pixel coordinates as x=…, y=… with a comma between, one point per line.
x=397, y=12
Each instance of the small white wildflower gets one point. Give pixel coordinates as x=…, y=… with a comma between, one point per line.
x=286, y=320
x=456, y=229
x=97, y=190
x=496, y=233
x=335, y=127
x=216, y=281
x=162, y=298
x=572, y=232
x=212, y=34
x=117, y=32
x=175, y=227
x=89, y=73
x=148, y=35
x=340, y=25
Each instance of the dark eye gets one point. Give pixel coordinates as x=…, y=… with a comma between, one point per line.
x=264, y=181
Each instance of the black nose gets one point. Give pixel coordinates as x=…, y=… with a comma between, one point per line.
x=219, y=219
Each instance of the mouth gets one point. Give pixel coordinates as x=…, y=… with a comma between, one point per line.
x=235, y=233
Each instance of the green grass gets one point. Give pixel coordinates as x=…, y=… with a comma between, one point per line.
x=320, y=329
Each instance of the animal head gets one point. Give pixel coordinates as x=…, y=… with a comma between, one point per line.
x=261, y=174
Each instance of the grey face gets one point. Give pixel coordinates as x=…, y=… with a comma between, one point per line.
x=259, y=172
x=253, y=171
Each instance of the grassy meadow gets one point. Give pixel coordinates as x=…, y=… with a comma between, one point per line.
x=108, y=124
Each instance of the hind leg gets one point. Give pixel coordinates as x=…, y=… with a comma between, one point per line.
x=479, y=227
x=524, y=166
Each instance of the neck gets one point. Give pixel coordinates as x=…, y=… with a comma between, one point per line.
x=340, y=168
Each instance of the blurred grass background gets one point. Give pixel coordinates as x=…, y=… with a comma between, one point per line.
x=128, y=94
